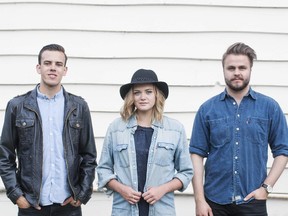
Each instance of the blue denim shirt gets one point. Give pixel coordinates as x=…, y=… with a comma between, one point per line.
x=235, y=141
x=168, y=158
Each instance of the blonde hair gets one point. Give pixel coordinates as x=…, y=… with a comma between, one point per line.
x=128, y=109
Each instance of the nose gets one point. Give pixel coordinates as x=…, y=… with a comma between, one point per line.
x=53, y=67
x=143, y=96
x=237, y=71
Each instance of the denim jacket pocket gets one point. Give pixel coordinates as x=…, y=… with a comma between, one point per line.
x=122, y=155
x=164, y=154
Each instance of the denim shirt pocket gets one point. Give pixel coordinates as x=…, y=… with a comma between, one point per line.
x=122, y=155
x=220, y=132
x=256, y=130
x=26, y=128
x=164, y=154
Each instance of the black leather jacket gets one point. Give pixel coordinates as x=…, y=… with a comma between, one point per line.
x=22, y=137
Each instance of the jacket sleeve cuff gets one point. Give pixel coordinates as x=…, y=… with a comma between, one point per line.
x=15, y=194
x=84, y=197
x=102, y=184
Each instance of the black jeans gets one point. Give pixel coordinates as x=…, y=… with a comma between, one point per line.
x=253, y=208
x=52, y=210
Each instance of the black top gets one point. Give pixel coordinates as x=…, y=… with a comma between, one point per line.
x=142, y=139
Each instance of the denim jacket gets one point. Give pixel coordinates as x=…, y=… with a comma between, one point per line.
x=168, y=158
x=22, y=134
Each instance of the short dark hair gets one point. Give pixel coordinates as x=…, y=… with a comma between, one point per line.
x=52, y=47
x=240, y=49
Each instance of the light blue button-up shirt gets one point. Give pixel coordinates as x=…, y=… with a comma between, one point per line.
x=54, y=181
x=168, y=158
x=235, y=141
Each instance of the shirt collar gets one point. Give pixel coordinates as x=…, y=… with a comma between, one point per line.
x=132, y=122
x=250, y=93
x=44, y=97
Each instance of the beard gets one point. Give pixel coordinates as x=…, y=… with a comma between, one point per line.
x=237, y=87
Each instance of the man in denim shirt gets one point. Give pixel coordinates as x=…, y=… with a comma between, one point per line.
x=232, y=130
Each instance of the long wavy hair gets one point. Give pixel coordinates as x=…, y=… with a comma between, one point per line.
x=128, y=109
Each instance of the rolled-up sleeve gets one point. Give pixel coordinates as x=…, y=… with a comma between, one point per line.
x=105, y=168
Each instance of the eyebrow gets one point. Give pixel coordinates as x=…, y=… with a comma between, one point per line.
x=57, y=62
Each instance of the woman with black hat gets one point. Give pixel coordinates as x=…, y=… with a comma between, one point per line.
x=145, y=154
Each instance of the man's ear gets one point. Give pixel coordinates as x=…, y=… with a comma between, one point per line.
x=38, y=68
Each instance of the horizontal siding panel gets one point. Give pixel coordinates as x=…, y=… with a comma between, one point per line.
x=243, y=3
x=140, y=45
x=162, y=18
x=114, y=71
x=19, y=70
x=281, y=185
x=101, y=121
x=269, y=73
x=189, y=72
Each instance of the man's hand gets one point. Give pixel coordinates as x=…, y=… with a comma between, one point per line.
x=259, y=194
x=75, y=203
x=203, y=209
x=23, y=203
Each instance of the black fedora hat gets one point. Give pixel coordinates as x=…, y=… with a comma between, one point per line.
x=142, y=76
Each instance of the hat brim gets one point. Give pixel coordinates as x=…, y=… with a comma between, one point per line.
x=162, y=86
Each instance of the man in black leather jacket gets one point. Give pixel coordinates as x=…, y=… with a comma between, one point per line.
x=47, y=150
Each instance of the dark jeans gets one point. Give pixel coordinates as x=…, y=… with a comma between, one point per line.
x=253, y=208
x=52, y=210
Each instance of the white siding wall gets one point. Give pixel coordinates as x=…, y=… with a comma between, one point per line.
x=107, y=41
